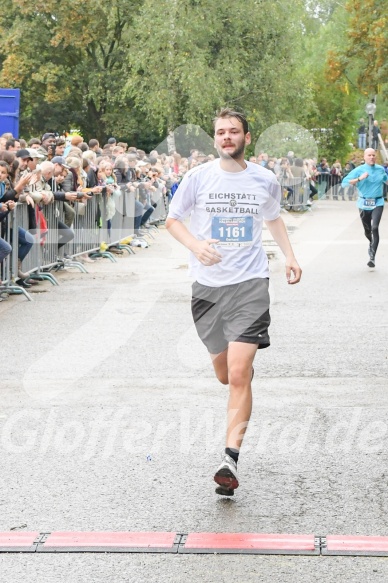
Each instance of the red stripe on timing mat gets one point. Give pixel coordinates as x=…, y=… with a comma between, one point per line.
x=281, y=542
x=357, y=543
x=111, y=539
x=17, y=539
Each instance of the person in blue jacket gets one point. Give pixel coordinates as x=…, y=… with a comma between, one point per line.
x=369, y=179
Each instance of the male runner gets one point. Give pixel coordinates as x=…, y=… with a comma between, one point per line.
x=228, y=199
x=369, y=179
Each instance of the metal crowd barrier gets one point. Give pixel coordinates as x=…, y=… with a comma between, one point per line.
x=93, y=234
x=296, y=193
x=330, y=188
x=123, y=221
x=160, y=210
x=9, y=268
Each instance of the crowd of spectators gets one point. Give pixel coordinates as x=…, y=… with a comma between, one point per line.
x=54, y=168
x=320, y=177
x=377, y=129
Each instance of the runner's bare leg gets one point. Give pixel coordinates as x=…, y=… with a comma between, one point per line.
x=234, y=365
x=220, y=364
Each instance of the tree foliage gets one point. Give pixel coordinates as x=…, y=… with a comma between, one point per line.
x=365, y=54
x=67, y=59
x=332, y=119
x=135, y=68
x=192, y=57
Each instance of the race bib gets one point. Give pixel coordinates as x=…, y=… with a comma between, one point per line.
x=236, y=231
x=370, y=202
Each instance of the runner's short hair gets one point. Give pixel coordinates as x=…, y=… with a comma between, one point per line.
x=227, y=112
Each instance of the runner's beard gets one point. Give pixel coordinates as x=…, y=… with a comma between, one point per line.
x=236, y=154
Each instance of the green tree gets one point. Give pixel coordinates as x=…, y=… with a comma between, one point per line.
x=190, y=57
x=332, y=119
x=365, y=53
x=67, y=60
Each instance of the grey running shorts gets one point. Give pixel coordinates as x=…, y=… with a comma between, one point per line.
x=232, y=313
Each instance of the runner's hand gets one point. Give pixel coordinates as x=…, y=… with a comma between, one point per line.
x=293, y=269
x=205, y=253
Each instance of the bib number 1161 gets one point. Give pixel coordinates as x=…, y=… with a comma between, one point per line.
x=235, y=231
x=232, y=232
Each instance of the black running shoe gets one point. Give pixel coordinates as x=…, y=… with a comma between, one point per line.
x=371, y=262
x=224, y=491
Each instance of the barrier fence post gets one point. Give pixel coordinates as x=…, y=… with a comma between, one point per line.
x=10, y=264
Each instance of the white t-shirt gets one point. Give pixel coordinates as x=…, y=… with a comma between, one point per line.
x=206, y=192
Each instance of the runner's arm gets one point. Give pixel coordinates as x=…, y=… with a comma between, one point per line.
x=203, y=250
x=279, y=233
x=353, y=178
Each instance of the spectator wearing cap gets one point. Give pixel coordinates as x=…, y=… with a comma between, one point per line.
x=27, y=161
x=75, y=166
x=35, y=156
x=30, y=166
x=47, y=145
x=143, y=167
x=111, y=143
x=22, y=157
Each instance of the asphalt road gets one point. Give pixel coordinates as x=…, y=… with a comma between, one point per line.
x=111, y=418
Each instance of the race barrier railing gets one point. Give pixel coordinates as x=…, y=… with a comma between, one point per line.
x=329, y=187
x=9, y=267
x=296, y=193
x=94, y=227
